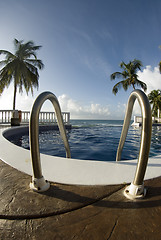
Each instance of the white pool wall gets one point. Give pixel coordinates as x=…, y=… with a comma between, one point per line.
x=73, y=171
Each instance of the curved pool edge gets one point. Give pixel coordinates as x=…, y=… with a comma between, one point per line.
x=73, y=171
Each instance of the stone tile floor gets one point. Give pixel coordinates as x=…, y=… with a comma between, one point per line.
x=67, y=212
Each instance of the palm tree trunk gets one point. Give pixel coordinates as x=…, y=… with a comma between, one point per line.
x=15, y=118
x=14, y=96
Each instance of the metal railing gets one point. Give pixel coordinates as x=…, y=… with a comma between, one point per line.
x=38, y=182
x=136, y=189
x=138, y=119
x=156, y=120
x=5, y=116
x=44, y=117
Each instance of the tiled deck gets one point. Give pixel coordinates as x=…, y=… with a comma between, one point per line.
x=68, y=212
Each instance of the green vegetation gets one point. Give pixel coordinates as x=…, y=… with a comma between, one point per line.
x=155, y=99
x=20, y=68
x=129, y=76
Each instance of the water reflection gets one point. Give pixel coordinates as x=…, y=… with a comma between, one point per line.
x=94, y=141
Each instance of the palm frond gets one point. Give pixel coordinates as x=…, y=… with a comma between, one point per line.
x=137, y=64
x=155, y=99
x=3, y=62
x=123, y=65
x=32, y=68
x=8, y=54
x=20, y=67
x=6, y=74
x=141, y=84
x=36, y=62
x=116, y=75
x=118, y=85
x=26, y=50
x=29, y=76
x=129, y=75
x=160, y=66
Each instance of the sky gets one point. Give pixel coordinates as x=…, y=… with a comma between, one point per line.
x=83, y=43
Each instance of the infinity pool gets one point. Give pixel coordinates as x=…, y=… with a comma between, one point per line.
x=93, y=140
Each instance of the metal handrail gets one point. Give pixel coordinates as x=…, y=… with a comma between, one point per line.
x=136, y=189
x=38, y=182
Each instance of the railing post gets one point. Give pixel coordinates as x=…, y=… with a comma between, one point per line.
x=136, y=189
x=2, y=117
x=68, y=117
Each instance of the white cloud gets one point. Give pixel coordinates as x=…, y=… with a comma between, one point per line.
x=137, y=109
x=77, y=110
x=152, y=77
x=23, y=102
x=119, y=111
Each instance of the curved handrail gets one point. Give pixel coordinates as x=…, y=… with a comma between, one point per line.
x=39, y=183
x=145, y=138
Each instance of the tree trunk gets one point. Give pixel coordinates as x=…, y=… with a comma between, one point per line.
x=15, y=121
x=14, y=96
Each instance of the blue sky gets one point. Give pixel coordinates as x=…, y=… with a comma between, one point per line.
x=83, y=42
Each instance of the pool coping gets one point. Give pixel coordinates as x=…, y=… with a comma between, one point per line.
x=74, y=171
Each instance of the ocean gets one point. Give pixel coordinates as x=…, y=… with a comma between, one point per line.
x=94, y=140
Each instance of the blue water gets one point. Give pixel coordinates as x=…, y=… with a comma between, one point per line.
x=94, y=140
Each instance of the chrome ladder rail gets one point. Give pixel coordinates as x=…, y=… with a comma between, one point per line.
x=39, y=184
x=136, y=188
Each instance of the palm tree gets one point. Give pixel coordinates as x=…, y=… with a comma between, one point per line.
x=21, y=68
x=155, y=99
x=130, y=78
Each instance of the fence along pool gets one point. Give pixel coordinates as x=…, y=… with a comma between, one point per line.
x=24, y=116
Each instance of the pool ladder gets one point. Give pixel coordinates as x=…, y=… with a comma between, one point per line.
x=136, y=188
x=39, y=184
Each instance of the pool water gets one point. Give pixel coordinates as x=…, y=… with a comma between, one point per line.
x=94, y=140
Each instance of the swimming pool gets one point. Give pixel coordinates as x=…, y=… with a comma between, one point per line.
x=93, y=140
x=73, y=171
